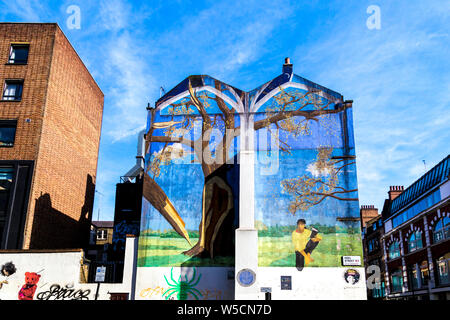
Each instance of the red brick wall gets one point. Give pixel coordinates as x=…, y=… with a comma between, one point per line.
x=35, y=74
x=65, y=106
x=67, y=162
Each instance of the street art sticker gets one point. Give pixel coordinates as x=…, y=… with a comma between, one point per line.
x=29, y=288
x=7, y=270
x=351, y=276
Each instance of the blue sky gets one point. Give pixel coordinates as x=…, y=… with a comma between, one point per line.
x=398, y=76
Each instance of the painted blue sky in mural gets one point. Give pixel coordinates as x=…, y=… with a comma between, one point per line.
x=398, y=75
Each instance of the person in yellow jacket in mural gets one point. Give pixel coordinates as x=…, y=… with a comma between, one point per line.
x=305, y=241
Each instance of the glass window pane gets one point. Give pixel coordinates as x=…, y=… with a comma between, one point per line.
x=7, y=135
x=13, y=90
x=19, y=54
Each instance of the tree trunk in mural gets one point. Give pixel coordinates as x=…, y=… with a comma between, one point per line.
x=217, y=206
x=217, y=198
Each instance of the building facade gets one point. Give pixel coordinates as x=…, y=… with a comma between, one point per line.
x=372, y=233
x=413, y=234
x=50, y=121
x=221, y=210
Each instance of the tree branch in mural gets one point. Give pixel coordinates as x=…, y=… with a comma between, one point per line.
x=323, y=182
x=291, y=113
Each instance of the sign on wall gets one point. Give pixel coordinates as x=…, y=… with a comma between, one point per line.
x=100, y=274
x=286, y=283
x=351, y=260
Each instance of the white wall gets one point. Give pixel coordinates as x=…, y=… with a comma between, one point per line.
x=60, y=275
x=213, y=283
x=312, y=283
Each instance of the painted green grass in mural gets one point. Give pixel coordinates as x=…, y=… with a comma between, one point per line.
x=279, y=251
x=168, y=252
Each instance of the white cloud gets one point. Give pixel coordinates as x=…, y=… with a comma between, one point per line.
x=316, y=172
x=25, y=10
x=398, y=79
x=114, y=14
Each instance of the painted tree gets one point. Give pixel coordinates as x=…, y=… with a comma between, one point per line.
x=291, y=112
x=320, y=183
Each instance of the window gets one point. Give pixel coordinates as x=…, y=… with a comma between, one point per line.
x=375, y=262
x=6, y=177
x=442, y=269
x=397, y=281
x=415, y=241
x=441, y=230
x=7, y=132
x=394, y=250
x=373, y=245
x=417, y=208
x=13, y=90
x=413, y=277
x=424, y=273
x=102, y=234
x=18, y=54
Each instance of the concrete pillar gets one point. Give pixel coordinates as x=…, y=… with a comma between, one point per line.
x=246, y=235
x=130, y=266
x=419, y=278
x=404, y=270
x=386, y=270
x=431, y=281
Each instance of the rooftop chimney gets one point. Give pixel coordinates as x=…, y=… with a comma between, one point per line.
x=367, y=212
x=394, y=192
x=287, y=66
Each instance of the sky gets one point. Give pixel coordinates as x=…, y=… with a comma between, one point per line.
x=392, y=62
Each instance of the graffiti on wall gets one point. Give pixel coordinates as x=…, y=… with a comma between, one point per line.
x=206, y=294
x=29, y=288
x=7, y=270
x=181, y=288
x=67, y=292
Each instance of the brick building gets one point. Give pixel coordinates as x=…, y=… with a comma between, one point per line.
x=415, y=237
x=50, y=121
x=372, y=231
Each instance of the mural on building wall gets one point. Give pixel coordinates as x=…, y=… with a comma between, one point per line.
x=307, y=210
x=182, y=288
x=191, y=139
x=185, y=283
x=304, y=169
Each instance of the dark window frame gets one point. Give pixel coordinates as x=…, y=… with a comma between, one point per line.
x=394, y=245
x=14, y=61
x=9, y=123
x=399, y=275
x=13, y=235
x=417, y=239
x=16, y=97
x=446, y=261
x=444, y=231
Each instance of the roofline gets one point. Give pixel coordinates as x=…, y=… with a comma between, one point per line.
x=413, y=184
x=306, y=83
x=62, y=32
